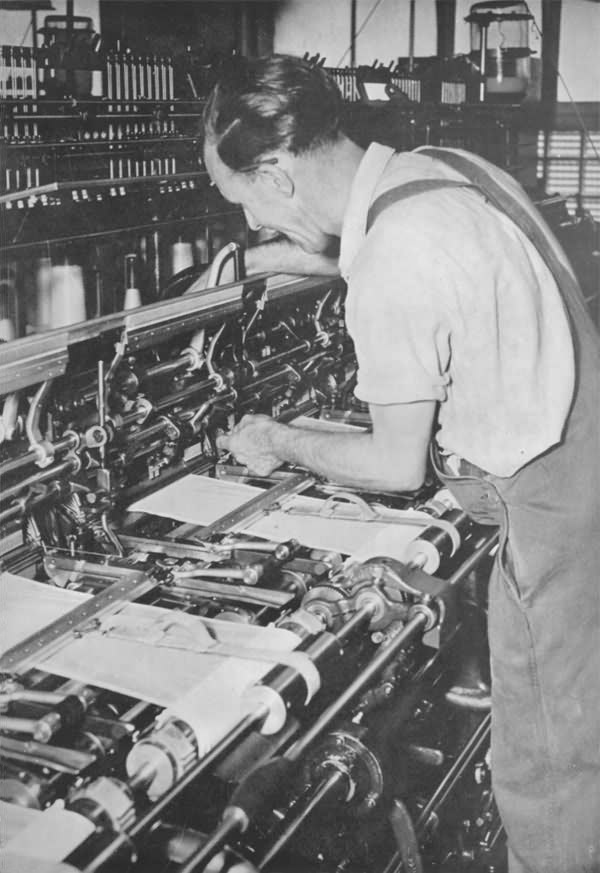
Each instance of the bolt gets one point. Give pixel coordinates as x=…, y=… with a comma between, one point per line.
x=371, y=801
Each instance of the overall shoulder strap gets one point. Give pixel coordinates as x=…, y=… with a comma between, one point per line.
x=529, y=222
x=406, y=190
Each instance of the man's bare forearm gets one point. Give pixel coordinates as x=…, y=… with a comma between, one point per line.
x=393, y=456
x=283, y=256
x=354, y=459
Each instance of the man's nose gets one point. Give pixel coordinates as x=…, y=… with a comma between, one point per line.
x=253, y=224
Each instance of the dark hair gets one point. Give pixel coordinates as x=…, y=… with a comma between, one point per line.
x=278, y=102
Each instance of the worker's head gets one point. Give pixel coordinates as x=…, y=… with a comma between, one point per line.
x=262, y=120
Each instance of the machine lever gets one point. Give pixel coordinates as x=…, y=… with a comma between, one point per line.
x=406, y=838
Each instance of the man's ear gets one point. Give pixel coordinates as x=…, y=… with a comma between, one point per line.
x=276, y=176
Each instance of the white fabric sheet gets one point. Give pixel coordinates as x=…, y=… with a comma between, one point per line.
x=143, y=651
x=201, y=500
x=50, y=835
x=27, y=607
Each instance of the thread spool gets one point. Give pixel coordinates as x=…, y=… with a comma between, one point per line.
x=202, y=250
x=7, y=297
x=9, y=307
x=67, y=295
x=7, y=330
x=182, y=256
x=97, y=85
x=133, y=298
x=43, y=280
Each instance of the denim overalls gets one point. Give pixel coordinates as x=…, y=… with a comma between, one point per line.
x=544, y=596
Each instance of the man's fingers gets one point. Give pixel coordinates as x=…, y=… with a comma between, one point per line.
x=223, y=442
x=218, y=863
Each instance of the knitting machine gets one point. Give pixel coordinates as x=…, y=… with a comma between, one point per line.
x=197, y=661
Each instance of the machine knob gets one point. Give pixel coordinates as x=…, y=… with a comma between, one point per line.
x=105, y=801
x=160, y=759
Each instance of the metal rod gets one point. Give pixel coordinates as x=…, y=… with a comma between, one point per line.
x=483, y=62
x=29, y=457
x=230, y=825
x=148, y=432
x=353, y=4
x=359, y=618
x=481, y=733
x=32, y=695
x=230, y=741
x=411, y=36
x=256, y=505
x=101, y=403
x=244, y=574
x=14, y=511
x=166, y=367
x=114, y=231
x=19, y=725
x=233, y=593
x=324, y=789
x=283, y=357
x=43, y=476
x=385, y=654
x=471, y=562
x=17, y=463
x=186, y=393
x=281, y=374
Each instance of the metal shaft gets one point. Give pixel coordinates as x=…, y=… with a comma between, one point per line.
x=471, y=562
x=55, y=471
x=324, y=790
x=217, y=840
x=229, y=742
x=11, y=466
x=385, y=654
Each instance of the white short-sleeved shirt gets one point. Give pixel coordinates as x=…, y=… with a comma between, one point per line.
x=448, y=301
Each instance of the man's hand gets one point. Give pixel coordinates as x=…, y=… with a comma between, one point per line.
x=392, y=457
x=251, y=443
x=218, y=863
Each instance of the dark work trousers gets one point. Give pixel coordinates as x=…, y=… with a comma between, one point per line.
x=544, y=634
x=544, y=601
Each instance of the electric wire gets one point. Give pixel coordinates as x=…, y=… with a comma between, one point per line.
x=25, y=35
x=366, y=20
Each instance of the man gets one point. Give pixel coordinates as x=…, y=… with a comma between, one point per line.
x=460, y=330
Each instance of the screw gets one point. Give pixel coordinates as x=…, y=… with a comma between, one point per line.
x=371, y=800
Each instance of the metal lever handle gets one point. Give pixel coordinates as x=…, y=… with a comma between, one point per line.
x=232, y=251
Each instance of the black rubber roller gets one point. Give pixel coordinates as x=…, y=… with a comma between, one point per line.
x=255, y=794
x=435, y=544
x=71, y=711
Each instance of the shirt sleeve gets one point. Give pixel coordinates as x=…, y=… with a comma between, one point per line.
x=395, y=315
